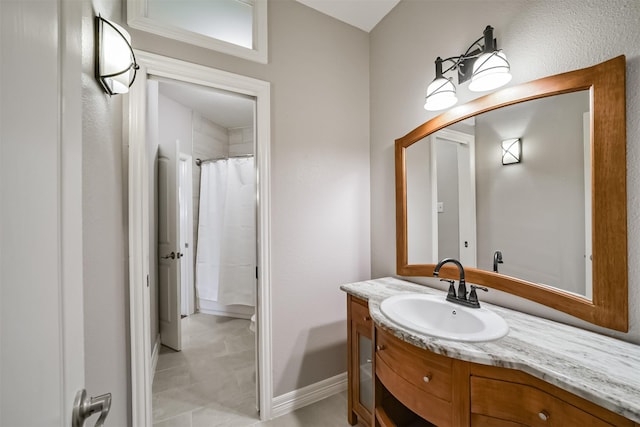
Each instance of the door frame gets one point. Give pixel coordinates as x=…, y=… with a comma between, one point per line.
x=135, y=116
x=187, y=290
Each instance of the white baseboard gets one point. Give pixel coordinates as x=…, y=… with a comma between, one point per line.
x=312, y=393
x=154, y=357
x=216, y=309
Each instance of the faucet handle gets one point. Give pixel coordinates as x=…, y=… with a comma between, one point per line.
x=452, y=288
x=473, y=296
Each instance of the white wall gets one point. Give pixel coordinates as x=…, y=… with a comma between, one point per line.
x=540, y=38
x=319, y=71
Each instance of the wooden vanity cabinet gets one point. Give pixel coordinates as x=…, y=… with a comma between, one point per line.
x=418, y=388
x=360, y=368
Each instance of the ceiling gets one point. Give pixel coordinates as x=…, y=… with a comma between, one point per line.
x=363, y=14
x=227, y=109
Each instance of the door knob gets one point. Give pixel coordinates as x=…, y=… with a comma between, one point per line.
x=84, y=407
x=172, y=255
x=180, y=255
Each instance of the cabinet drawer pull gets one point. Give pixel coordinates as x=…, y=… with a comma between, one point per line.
x=367, y=318
x=544, y=415
x=427, y=378
x=380, y=347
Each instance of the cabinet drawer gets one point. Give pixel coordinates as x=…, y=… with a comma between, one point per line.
x=360, y=312
x=426, y=371
x=421, y=403
x=526, y=405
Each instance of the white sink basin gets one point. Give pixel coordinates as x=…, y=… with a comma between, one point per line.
x=434, y=315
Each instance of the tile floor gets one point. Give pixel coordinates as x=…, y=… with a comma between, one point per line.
x=211, y=382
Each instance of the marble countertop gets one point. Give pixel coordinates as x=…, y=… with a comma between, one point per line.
x=603, y=370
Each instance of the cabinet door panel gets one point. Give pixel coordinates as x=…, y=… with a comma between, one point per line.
x=360, y=363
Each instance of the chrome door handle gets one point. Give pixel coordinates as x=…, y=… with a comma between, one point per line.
x=84, y=407
x=172, y=255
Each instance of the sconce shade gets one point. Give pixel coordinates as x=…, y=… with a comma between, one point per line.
x=511, y=151
x=115, y=62
x=441, y=94
x=491, y=70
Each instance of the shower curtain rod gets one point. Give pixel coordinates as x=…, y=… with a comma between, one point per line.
x=200, y=161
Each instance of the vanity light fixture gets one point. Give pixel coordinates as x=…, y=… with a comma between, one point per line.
x=115, y=62
x=486, y=66
x=511, y=151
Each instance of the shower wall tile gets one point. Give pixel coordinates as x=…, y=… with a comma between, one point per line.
x=241, y=141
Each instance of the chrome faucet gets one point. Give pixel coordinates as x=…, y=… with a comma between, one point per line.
x=461, y=296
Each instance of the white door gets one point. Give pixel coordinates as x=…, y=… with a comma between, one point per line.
x=169, y=253
x=41, y=303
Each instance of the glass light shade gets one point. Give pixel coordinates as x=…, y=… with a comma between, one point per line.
x=441, y=94
x=116, y=66
x=490, y=71
x=511, y=151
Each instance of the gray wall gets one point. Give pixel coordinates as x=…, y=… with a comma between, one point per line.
x=319, y=71
x=105, y=255
x=534, y=211
x=540, y=38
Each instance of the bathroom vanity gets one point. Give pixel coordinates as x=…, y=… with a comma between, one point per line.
x=542, y=373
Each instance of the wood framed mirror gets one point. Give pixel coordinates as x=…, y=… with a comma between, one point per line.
x=598, y=250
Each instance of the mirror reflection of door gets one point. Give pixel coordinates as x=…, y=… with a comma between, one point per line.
x=454, y=196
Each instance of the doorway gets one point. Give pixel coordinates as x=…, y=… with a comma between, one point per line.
x=143, y=251
x=454, y=201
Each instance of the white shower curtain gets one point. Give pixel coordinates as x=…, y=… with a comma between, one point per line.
x=226, y=257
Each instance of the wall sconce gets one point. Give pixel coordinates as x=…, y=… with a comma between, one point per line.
x=115, y=62
x=486, y=66
x=511, y=151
